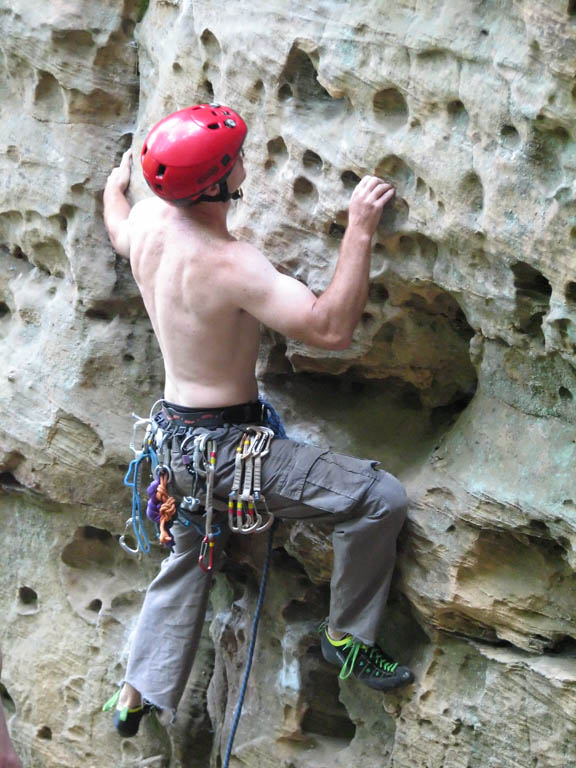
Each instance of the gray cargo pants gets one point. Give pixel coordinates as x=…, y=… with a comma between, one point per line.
x=300, y=482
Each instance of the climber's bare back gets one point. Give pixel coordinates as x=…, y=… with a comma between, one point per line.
x=183, y=270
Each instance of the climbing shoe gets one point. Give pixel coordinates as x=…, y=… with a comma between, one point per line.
x=127, y=721
x=368, y=664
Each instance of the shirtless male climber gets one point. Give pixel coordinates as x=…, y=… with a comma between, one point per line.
x=206, y=294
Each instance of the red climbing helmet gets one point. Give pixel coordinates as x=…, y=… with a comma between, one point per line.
x=192, y=149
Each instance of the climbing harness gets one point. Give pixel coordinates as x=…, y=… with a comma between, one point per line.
x=246, y=505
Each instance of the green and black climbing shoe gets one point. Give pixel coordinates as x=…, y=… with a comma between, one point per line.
x=368, y=664
x=127, y=721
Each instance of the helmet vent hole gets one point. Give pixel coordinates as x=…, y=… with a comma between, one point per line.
x=213, y=126
x=161, y=171
x=158, y=186
x=144, y=150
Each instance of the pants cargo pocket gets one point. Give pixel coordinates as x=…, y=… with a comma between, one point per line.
x=327, y=481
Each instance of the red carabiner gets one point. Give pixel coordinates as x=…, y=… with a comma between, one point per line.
x=207, y=546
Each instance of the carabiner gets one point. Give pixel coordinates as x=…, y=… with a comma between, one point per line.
x=124, y=545
x=207, y=547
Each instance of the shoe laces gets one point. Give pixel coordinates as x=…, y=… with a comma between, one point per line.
x=111, y=704
x=365, y=656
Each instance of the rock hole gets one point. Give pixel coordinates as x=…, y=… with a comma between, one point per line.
x=4, y=310
x=509, y=136
x=336, y=231
x=530, y=283
x=211, y=44
x=326, y=715
x=540, y=525
x=91, y=547
x=378, y=293
x=472, y=192
x=277, y=147
x=44, y=733
x=254, y=93
x=176, y=67
x=27, y=596
x=99, y=314
x=570, y=292
x=296, y=610
x=484, y=32
x=95, y=605
x=349, y=179
x=7, y=700
x=48, y=95
x=312, y=161
x=565, y=393
x=571, y=8
x=395, y=171
x=458, y=114
x=209, y=90
x=304, y=189
x=277, y=154
x=8, y=481
x=300, y=74
x=390, y=108
x=285, y=92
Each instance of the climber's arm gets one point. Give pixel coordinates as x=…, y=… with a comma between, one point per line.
x=117, y=207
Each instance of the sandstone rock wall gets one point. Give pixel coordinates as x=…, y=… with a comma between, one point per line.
x=461, y=377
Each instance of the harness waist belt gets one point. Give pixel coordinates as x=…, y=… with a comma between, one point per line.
x=245, y=413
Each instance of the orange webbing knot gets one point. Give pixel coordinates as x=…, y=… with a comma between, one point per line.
x=167, y=510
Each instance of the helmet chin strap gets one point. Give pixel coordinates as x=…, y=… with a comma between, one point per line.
x=223, y=197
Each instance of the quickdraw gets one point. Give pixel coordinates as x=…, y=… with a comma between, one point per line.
x=243, y=515
x=132, y=480
x=206, y=557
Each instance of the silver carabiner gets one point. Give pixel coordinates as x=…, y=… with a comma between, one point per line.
x=122, y=541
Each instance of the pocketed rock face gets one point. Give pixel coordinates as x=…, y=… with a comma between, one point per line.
x=460, y=379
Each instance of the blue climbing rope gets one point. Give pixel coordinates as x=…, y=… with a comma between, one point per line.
x=251, y=648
